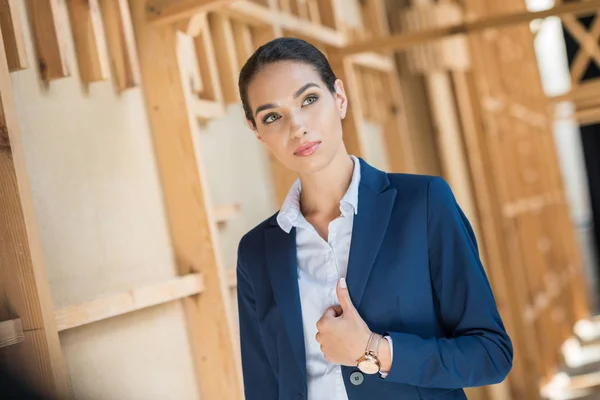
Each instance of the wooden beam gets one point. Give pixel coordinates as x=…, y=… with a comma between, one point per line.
x=164, y=12
x=243, y=41
x=24, y=289
x=374, y=61
x=226, y=212
x=132, y=300
x=90, y=43
x=121, y=43
x=225, y=50
x=205, y=110
x=255, y=14
x=208, y=69
x=12, y=32
x=11, y=332
x=48, y=32
x=404, y=40
x=353, y=122
x=187, y=208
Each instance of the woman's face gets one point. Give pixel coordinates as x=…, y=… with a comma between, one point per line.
x=297, y=117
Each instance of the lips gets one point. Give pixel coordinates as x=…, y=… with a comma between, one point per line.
x=307, y=149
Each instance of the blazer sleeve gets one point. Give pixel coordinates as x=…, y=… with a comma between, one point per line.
x=259, y=379
x=476, y=349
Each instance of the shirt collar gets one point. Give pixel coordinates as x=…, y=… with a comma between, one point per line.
x=290, y=215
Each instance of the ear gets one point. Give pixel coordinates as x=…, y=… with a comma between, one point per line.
x=250, y=125
x=341, y=98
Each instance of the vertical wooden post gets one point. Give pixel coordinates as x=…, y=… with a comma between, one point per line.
x=24, y=289
x=188, y=208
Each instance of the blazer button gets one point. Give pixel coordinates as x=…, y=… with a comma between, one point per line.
x=356, y=378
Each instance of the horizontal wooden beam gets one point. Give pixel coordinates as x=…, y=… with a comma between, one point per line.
x=226, y=212
x=404, y=40
x=374, y=61
x=255, y=14
x=168, y=11
x=11, y=332
x=162, y=12
x=205, y=110
x=129, y=301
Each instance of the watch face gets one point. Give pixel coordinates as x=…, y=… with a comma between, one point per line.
x=368, y=367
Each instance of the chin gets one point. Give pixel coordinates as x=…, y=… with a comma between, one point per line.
x=312, y=164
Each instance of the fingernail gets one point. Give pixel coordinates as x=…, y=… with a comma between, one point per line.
x=343, y=283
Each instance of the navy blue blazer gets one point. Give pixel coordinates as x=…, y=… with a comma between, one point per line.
x=414, y=273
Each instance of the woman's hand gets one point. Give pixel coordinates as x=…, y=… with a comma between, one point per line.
x=343, y=334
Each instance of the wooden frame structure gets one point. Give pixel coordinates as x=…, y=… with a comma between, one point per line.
x=202, y=45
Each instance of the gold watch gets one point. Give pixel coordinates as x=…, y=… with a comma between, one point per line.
x=369, y=363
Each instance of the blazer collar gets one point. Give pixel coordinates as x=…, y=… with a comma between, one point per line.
x=376, y=200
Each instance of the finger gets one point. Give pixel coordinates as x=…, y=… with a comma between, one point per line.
x=328, y=314
x=344, y=296
x=338, y=310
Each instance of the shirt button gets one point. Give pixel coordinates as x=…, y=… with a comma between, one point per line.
x=356, y=378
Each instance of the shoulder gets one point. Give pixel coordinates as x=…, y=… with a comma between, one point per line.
x=423, y=187
x=254, y=238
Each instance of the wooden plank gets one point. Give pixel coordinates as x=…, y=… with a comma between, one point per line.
x=401, y=41
x=12, y=32
x=226, y=212
x=313, y=11
x=191, y=229
x=401, y=153
x=243, y=41
x=132, y=300
x=48, y=32
x=489, y=217
x=209, y=70
x=11, y=332
x=588, y=42
x=164, y=12
x=121, y=43
x=374, y=61
x=353, y=122
x=226, y=55
x=24, y=289
x=90, y=43
x=330, y=12
x=255, y=14
x=205, y=110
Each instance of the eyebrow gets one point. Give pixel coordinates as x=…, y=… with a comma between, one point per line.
x=297, y=94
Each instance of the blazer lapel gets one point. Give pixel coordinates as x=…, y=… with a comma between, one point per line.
x=375, y=205
x=283, y=272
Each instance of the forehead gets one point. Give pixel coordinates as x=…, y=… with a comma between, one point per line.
x=279, y=81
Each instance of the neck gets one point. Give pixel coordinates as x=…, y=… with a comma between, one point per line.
x=322, y=191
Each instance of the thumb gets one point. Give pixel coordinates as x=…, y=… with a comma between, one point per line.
x=344, y=296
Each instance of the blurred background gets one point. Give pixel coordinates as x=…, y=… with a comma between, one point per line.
x=128, y=176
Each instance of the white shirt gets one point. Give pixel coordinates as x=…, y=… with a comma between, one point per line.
x=320, y=265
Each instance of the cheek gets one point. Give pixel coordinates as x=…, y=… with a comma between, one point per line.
x=326, y=120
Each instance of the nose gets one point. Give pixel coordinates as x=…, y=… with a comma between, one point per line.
x=297, y=127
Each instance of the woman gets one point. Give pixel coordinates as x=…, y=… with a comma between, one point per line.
x=365, y=285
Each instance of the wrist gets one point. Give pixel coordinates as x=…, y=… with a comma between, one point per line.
x=385, y=355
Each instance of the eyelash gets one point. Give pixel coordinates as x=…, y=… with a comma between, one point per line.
x=265, y=119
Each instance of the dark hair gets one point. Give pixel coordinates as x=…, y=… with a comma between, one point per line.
x=283, y=49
